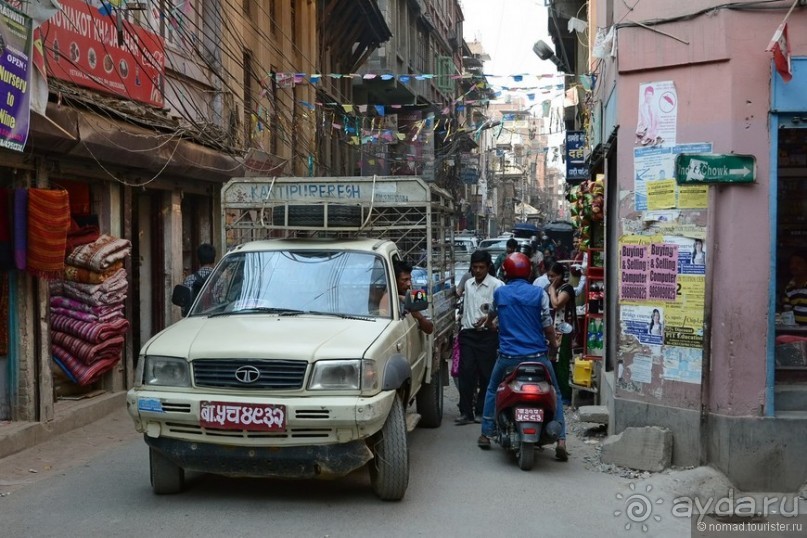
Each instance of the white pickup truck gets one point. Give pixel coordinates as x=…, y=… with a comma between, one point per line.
x=293, y=361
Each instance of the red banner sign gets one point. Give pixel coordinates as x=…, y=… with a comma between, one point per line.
x=82, y=46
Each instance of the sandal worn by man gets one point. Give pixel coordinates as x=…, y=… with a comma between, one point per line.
x=483, y=442
x=561, y=454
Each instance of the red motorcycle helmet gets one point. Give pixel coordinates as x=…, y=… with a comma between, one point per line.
x=517, y=265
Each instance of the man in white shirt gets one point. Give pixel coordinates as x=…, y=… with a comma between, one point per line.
x=478, y=344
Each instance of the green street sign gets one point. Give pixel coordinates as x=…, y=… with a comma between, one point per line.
x=693, y=168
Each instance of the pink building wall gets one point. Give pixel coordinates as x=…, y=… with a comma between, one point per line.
x=723, y=80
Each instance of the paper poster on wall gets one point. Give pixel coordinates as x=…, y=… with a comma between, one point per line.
x=661, y=194
x=641, y=369
x=663, y=272
x=658, y=163
x=634, y=272
x=683, y=364
x=646, y=323
x=691, y=254
x=657, y=116
x=693, y=196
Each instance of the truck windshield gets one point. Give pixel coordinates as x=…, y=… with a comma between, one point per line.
x=338, y=282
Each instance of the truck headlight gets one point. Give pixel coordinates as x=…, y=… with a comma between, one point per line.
x=344, y=375
x=166, y=372
x=340, y=375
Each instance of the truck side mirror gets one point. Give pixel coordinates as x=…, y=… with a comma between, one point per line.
x=415, y=301
x=181, y=296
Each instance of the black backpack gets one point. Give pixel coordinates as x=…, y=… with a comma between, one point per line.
x=196, y=287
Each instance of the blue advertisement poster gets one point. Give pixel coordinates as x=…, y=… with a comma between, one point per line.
x=16, y=40
x=576, y=169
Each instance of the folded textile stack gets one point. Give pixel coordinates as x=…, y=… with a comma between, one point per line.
x=87, y=323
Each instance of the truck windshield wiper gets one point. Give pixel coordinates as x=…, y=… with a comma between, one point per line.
x=340, y=315
x=260, y=310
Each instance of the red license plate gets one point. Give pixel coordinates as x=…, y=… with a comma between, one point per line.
x=529, y=415
x=241, y=416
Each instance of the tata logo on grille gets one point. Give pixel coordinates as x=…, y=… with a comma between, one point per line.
x=247, y=374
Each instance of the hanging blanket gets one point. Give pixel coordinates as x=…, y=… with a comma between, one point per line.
x=112, y=298
x=21, y=228
x=48, y=222
x=100, y=255
x=77, y=371
x=86, y=316
x=59, y=301
x=87, y=352
x=6, y=259
x=92, y=332
x=80, y=235
x=80, y=274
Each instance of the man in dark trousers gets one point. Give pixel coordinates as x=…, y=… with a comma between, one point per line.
x=478, y=344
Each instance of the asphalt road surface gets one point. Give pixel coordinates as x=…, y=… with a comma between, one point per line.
x=93, y=482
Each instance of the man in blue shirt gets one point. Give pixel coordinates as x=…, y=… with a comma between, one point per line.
x=521, y=308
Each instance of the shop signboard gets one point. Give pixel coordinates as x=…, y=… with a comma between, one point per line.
x=15, y=66
x=82, y=46
x=576, y=169
x=693, y=168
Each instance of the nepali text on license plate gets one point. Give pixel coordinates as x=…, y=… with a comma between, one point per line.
x=529, y=415
x=241, y=416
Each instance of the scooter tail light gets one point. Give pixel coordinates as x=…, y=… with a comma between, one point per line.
x=529, y=431
x=530, y=389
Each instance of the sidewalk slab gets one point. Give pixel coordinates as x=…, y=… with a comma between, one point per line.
x=17, y=436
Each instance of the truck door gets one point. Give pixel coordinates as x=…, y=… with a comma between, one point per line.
x=415, y=339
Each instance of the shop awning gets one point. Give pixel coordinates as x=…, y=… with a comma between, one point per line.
x=114, y=143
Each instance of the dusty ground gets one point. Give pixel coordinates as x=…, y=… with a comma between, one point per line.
x=69, y=450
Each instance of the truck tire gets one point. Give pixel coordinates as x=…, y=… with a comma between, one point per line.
x=526, y=456
x=389, y=469
x=166, y=476
x=430, y=402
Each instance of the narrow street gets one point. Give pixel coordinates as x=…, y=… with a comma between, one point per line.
x=94, y=482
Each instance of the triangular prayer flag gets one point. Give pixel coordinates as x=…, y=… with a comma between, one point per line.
x=362, y=109
x=518, y=78
x=404, y=79
x=314, y=78
x=379, y=110
x=369, y=76
x=348, y=108
x=335, y=75
x=781, y=52
x=387, y=76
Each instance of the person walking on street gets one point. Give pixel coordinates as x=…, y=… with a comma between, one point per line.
x=478, y=343
x=526, y=333
x=509, y=247
x=206, y=255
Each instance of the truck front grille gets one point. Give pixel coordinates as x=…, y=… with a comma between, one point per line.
x=236, y=373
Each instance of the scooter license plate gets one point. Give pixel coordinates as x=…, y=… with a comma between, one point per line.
x=529, y=415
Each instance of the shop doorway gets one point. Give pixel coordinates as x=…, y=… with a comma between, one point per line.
x=6, y=297
x=790, y=346
x=148, y=264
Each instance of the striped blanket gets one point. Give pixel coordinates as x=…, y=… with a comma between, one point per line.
x=87, y=316
x=80, y=274
x=92, y=332
x=76, y=304
x=101, y=254
x=77, y=371
x=88, y=352
x=110, y=291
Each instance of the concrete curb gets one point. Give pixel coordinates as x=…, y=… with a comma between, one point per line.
x=18, y=436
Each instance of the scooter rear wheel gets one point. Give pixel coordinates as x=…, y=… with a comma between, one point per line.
x=526, y=456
